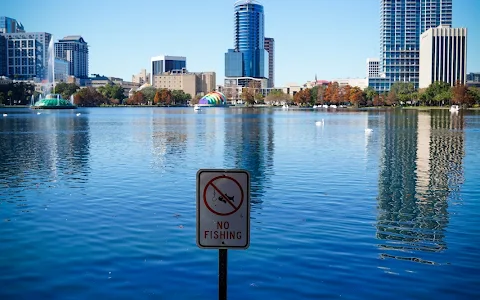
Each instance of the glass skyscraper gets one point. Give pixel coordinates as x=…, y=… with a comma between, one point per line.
x=249, y=41
x=9, y=25
x=401, y=24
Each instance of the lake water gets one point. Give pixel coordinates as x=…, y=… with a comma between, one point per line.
x=102, y=205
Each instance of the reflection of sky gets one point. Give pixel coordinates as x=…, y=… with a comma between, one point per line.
x=421, y=165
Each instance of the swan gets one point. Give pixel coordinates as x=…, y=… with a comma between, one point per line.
x=78, y=114
x=39, y=113
x=320, y=123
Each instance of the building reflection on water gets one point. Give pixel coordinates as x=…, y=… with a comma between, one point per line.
x=421, y=168
x=169, y=139
x=45, y=148
x=249, y=145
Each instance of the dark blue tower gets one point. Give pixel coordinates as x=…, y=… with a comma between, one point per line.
x=249, y=42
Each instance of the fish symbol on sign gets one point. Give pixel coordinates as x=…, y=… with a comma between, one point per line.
x=224, y=201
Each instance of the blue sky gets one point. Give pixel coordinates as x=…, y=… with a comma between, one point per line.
x=329, y=38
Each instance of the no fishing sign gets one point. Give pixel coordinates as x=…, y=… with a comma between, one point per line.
x=223, y=209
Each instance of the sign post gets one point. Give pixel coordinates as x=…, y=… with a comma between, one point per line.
x=223, y=215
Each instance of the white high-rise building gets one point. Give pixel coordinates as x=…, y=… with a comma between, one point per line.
x=443, y=55
x=401, y=24
x=373, y=67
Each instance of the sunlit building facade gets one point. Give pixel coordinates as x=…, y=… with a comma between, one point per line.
x=27, y=54
x=401, y=24
x=74, y=49
x=443, y=56
x=248, y=58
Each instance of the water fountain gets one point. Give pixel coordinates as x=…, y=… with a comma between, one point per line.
x=51, y=100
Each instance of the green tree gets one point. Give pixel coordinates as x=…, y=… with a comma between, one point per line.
x=259, y=98
x=180, y=97
x=370, y=93
x=435, y=89
x=66, y=89
x=10, y=95
x=276, y=97
x=474, y=93
x=443, y=97
x=90, y=97
x=403, y=92
x=149, y=93
x=248, y=96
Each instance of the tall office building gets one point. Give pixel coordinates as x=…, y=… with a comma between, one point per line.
x=3, y=56
x=74, y=49
x=443, y=56
x=165, y=63
x=9, y=25
x=249, y=42
x=270, y=48
x=373, y=67
x=401, y=24
x=27, y=54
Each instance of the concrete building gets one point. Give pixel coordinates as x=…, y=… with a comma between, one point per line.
x=74, y=49
x=362, y=83
x=401, y=24
x=443, y=55
x=193, y=83
x=165, y=63
x=373, y=67
x=248, y=58
x=141, y=77
x=9, y=25
x=270, y=48
x=27, y=54
x=61, y=70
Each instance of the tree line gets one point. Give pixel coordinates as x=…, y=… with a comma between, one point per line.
x=19, y=93
x=401, y=93
x=161, y=97
x=16, y=93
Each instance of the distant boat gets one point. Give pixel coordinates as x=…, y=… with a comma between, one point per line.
x=5, y=115
x=325, y=106
x=368, y=130
x=454, y=108
x=196, y=107
x=285, y=106
x=333, y=106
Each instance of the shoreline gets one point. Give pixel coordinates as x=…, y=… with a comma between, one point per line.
x=264, y=106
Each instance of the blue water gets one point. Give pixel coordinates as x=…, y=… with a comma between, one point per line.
x=102, y=205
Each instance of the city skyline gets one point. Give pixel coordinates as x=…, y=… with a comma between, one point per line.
x=301, y=50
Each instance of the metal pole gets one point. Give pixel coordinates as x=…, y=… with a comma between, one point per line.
x=222, y=274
